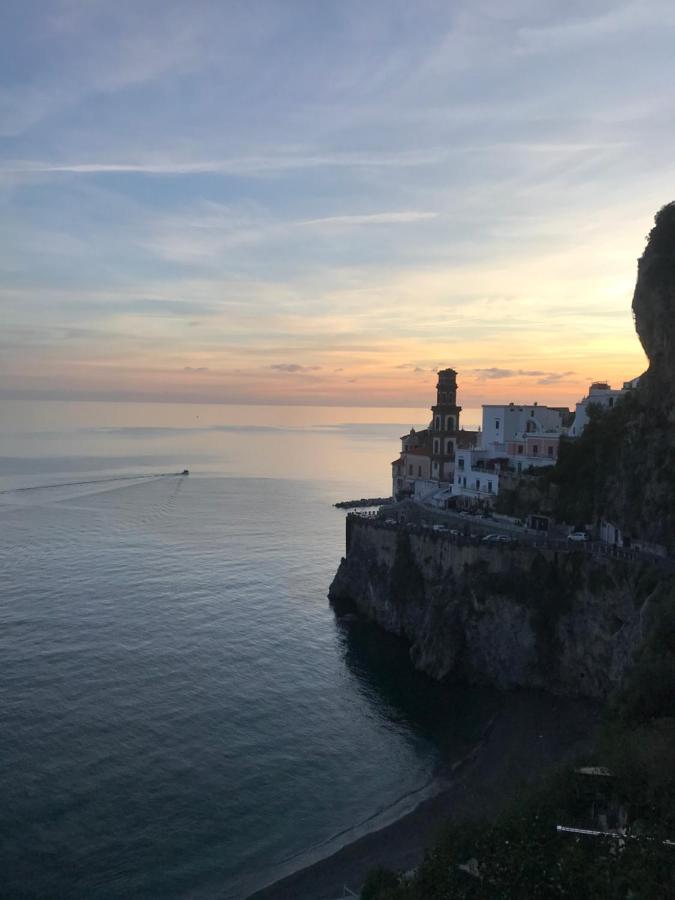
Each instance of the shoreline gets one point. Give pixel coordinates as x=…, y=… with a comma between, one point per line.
x=532, y=734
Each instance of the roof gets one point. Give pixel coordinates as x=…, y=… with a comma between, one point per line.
x=395, y=462
x=467, y=439
x=420, y=435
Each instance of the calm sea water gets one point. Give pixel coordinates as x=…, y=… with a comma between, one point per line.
x=182, y=715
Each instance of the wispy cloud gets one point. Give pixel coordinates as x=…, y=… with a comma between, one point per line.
x=495, y=373
x=382, y=218
x=293, y=368
x=251, y=164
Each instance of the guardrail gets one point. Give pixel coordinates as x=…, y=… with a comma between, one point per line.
x=476, y=537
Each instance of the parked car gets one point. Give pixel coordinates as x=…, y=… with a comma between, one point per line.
x=490, y=538
x=578, y=537
x=439, y=527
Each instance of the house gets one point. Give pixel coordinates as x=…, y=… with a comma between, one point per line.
x=599, y=394
x=515, y=438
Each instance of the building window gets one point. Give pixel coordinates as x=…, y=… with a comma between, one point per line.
x=449, y=423
x=611, y=401
x=448, y=446
x=477, y=484
x=437, y=445
x=520, y=448
x=464, y=482
x=550, y=451
x=489, y=487
x=535, y=449
x=438, y=423
x=410, y=469
x=419, y=471
x=460, y=462
x=497, y=423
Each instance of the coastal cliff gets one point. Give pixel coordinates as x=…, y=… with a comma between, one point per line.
x=513, y=617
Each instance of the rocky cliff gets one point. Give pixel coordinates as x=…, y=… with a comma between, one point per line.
x=565, y=622
x=623, y=469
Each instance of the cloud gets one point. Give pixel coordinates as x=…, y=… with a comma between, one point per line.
x=383, y=218
x=554, y=377
x=495, y=373
x=248, y=165
x=294, y=367
x=193, y=370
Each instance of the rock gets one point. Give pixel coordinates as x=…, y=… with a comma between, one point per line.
x=564, y=622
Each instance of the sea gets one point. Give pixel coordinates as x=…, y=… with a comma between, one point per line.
x=183, y=715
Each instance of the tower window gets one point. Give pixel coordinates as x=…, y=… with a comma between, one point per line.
x=497, y=423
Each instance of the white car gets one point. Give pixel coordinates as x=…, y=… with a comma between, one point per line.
x=577, y=537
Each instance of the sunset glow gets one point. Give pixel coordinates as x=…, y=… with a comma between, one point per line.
x=323, y=205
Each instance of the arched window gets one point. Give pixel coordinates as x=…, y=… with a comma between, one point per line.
x=449, y=423
x=438, y=423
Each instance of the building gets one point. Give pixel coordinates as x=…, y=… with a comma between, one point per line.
x=515, y=438
x=426, y=462
x=599, y=394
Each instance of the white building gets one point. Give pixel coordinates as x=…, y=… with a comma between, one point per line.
x=514, y=439
x=599, y=394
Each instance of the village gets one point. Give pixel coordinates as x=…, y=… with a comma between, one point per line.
x=445, y=467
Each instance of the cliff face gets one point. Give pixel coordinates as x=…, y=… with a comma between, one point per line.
x=508, y=618
x=654, y=308
x=648, y=450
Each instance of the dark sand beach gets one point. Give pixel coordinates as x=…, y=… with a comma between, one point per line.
x=533, y=733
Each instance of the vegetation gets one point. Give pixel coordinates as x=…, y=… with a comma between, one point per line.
x=587, y=464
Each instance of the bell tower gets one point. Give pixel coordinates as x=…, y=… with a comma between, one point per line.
x=444, y=426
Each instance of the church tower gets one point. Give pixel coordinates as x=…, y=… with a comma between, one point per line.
x=444, y=426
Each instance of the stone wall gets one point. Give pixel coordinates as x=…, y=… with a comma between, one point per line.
x=508, y=617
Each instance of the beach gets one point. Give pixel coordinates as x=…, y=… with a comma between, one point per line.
x=532, y=735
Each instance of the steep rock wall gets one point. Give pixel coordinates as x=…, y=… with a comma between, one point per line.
x=563, y=622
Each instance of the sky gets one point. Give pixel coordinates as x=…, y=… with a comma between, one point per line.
x=293, y=201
